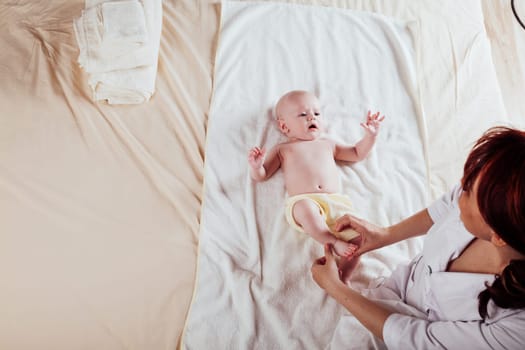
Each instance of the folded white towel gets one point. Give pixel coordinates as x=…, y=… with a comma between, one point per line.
x=129, y=86
x=88, y=35
x=119, y=44
x=123, y=21
x=108, y=32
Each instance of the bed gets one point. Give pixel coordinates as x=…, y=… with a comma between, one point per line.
x=101, y=206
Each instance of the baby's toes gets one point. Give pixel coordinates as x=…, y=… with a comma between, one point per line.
x=350, y=250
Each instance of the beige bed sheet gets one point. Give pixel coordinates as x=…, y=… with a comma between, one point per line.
x=99, y=205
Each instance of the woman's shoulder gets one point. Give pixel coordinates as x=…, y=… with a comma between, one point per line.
x=506, y=326
x=499, y=315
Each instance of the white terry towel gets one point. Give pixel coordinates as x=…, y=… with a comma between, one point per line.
x=119, y=44
x=124, y=20
x=254, y=288
x=110, y=30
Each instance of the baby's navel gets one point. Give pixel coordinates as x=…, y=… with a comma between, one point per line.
x=319, y=187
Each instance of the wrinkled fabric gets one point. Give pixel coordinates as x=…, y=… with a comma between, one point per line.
x=99, y=205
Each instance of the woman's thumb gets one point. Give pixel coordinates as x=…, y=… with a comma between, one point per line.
x=328, y=251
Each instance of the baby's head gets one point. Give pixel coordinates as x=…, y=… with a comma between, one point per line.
x=299, y=116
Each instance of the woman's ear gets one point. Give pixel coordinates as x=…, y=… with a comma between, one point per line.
x=497, y=240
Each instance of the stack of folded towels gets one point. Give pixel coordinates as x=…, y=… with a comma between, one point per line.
x=119, y=47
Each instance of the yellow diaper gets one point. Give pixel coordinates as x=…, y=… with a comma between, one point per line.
x=331, y=207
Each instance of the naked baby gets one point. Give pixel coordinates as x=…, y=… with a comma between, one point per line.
x=308, y=161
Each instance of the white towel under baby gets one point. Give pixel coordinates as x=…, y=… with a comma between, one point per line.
x=119, y=44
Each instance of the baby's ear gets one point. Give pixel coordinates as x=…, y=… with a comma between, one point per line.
x=282, y=126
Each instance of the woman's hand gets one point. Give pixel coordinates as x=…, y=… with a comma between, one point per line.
x=371, y=236
x=325, y=271
x=369, y=313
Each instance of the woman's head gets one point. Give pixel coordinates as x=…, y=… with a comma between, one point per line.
x=495, y=174
x=496, y=169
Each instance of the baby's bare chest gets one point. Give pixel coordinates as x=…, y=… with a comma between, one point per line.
x=307, y=153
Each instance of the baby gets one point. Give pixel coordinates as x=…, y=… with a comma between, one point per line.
x=309, y=168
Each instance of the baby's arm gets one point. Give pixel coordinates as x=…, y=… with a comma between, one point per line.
x=361, y=149
x=262, y=167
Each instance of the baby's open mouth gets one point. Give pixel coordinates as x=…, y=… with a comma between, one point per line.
x=312, y=127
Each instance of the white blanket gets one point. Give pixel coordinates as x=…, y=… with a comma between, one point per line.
x=254, y=288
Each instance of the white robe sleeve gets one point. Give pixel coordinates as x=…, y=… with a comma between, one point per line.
x=407, y=332
x=449, y=201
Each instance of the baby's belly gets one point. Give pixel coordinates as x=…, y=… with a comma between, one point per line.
x=300, y=185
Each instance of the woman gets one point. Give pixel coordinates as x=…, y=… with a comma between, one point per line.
x=466, y=289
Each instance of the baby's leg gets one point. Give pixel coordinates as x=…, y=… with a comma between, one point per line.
x=306, y=214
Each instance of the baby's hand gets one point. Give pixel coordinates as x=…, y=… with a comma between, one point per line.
x=256, y=157
x=373, y=121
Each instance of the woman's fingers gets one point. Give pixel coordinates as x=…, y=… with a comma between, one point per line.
x=320, y=261
x=348, y=221
x=329, y=253
x=342, y=222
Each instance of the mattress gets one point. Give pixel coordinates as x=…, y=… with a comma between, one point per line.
x=100, y=206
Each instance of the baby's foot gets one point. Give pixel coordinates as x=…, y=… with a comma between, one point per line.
x=344, y=249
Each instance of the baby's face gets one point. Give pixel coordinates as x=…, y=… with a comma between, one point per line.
x=300, y=116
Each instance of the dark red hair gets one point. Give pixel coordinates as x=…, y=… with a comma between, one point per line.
x=497, y=162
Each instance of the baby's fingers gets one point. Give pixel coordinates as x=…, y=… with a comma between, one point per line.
x=256, y=152
x=377, y=117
